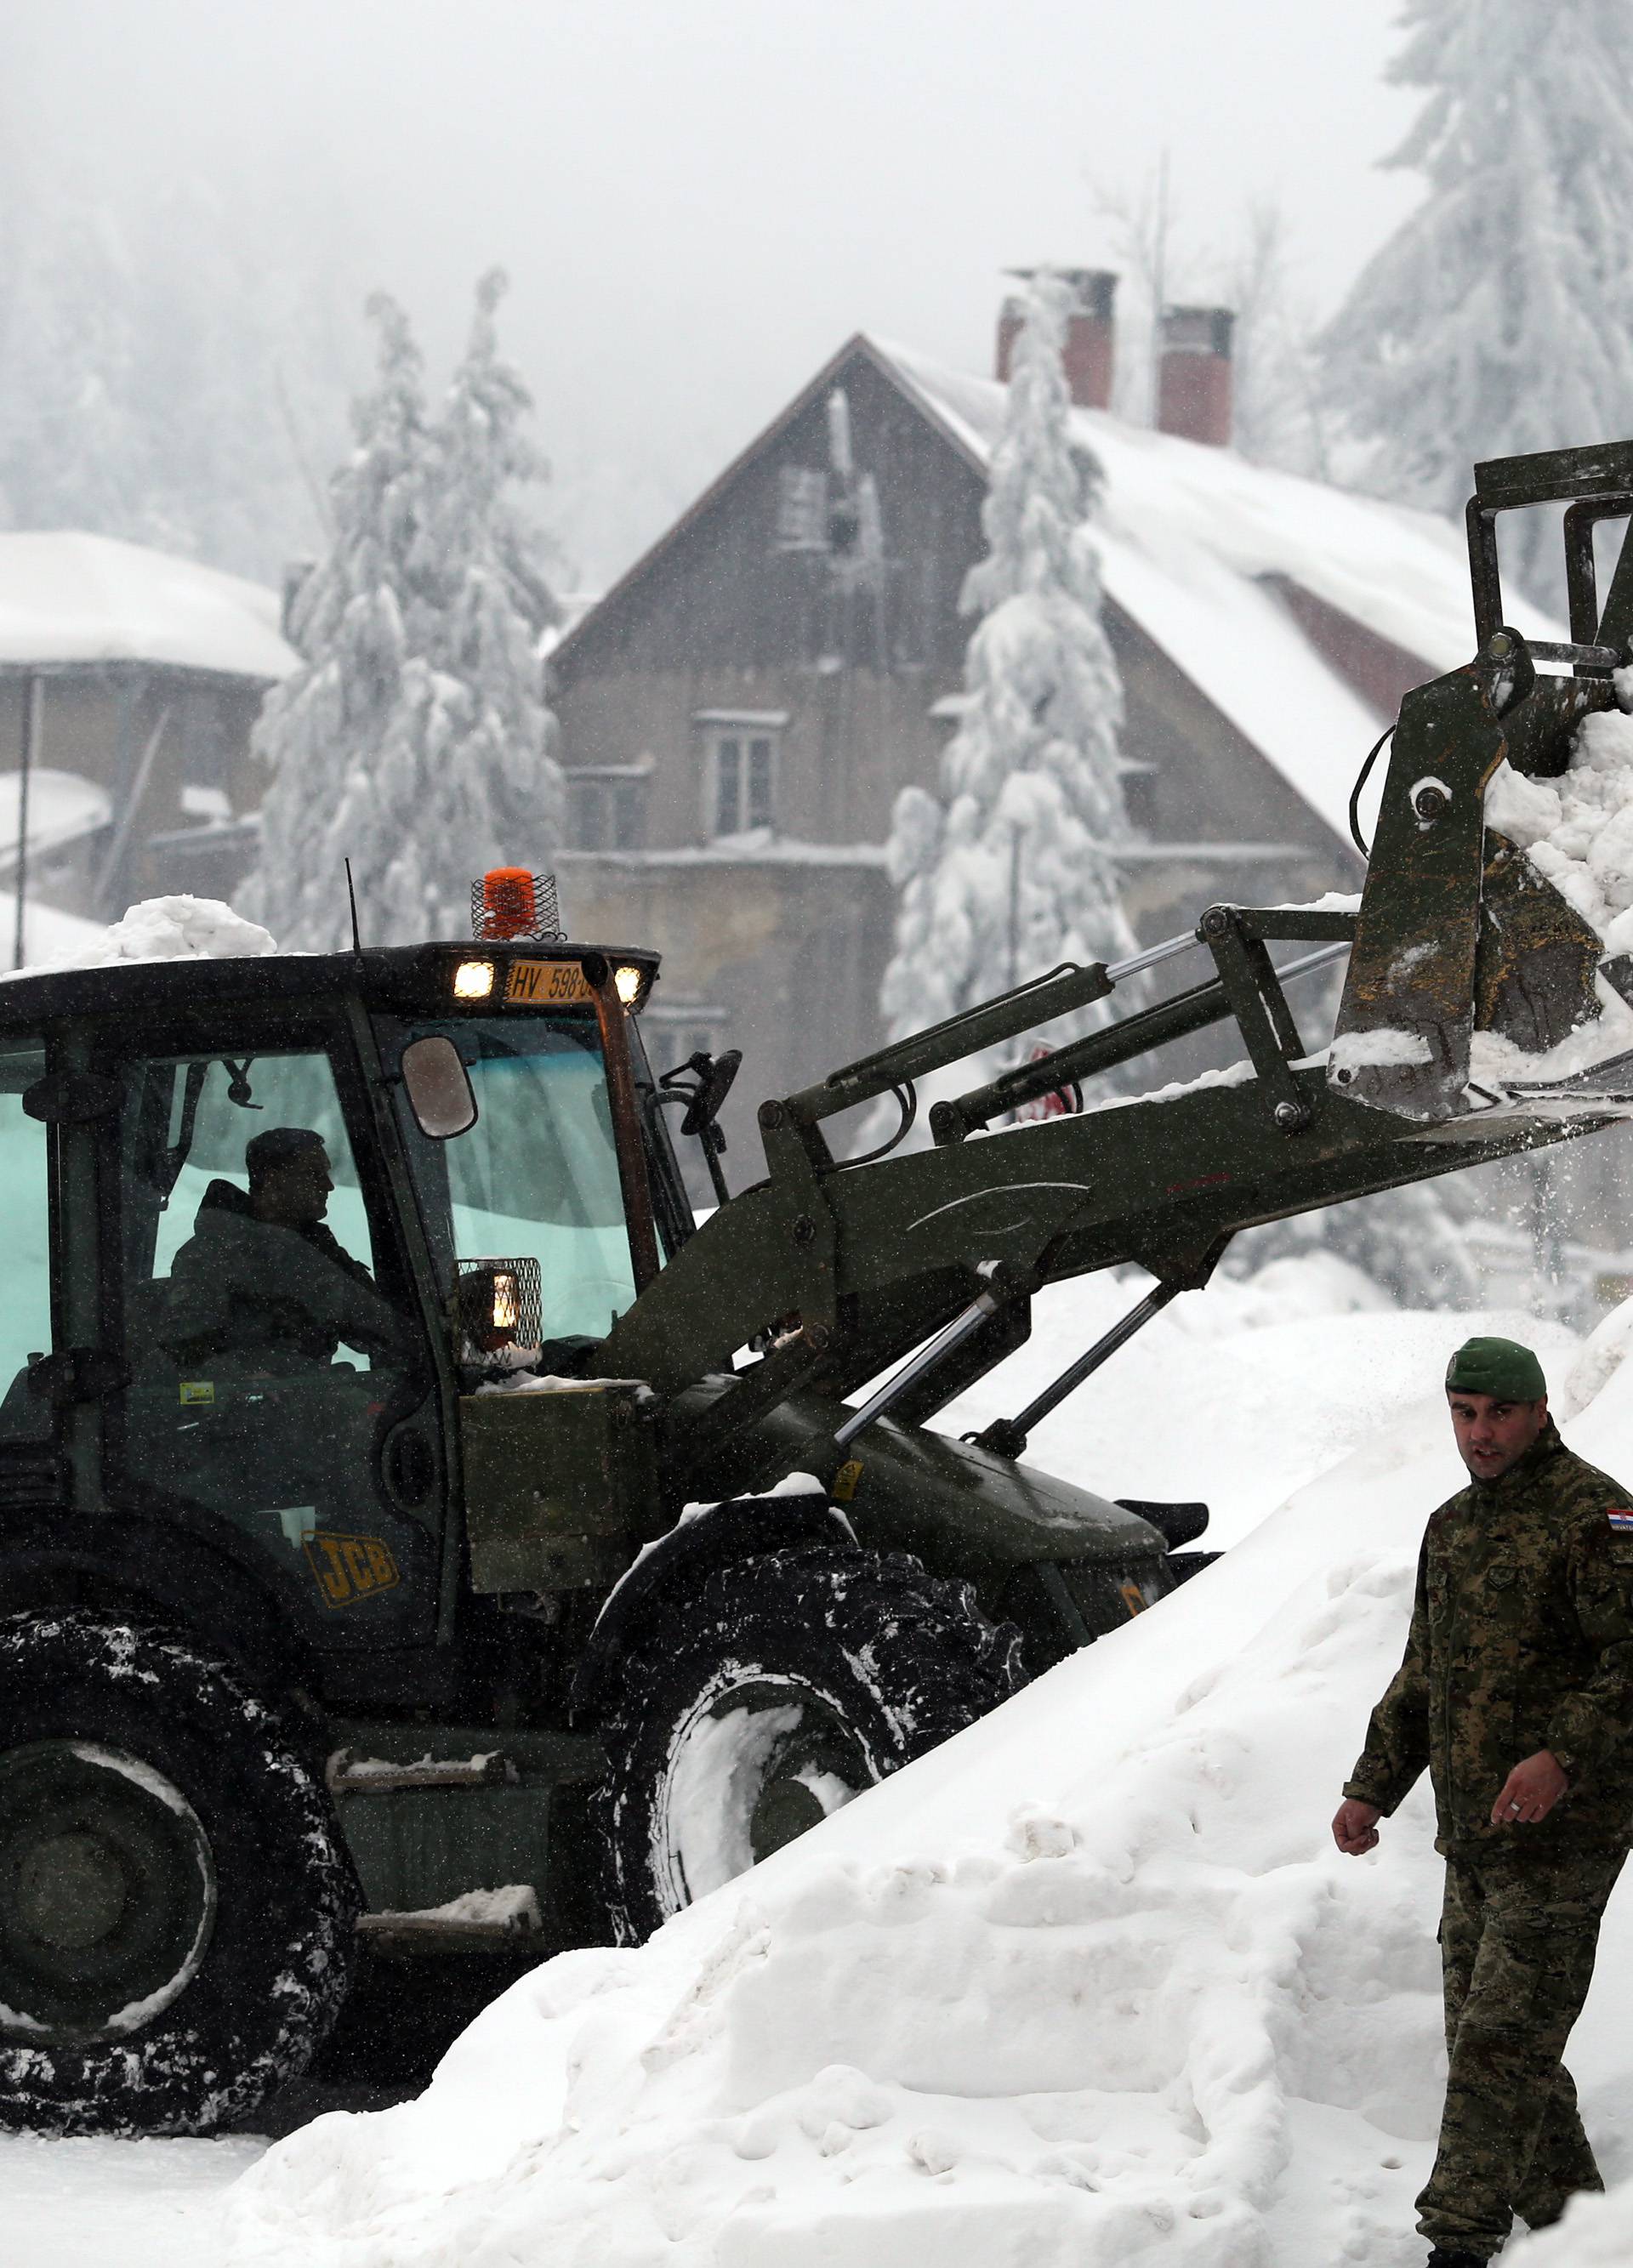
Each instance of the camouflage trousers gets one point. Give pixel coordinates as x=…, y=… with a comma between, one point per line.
x=1517, y=1936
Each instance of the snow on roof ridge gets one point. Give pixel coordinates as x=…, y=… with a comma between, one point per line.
x=71, y=595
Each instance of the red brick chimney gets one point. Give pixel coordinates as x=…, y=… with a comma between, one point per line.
x=1194, y=377
x=1089, y=334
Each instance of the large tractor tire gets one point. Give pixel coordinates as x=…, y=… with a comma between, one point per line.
x=177, y=1910
x=766, y=1698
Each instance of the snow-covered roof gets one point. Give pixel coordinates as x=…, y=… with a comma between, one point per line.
x=69, y=598
x=1193, y=539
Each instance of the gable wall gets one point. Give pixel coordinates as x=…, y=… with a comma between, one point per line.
x=724, y=619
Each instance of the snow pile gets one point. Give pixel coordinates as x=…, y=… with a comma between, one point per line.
x=1577, y=830
x=1595, y=2233
x=1089, y=1986
x=173, y=929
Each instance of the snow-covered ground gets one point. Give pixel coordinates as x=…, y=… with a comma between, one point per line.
x=1089, y=1986
x=138, y=2205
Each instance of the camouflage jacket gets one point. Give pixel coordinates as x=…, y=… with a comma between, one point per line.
x=1521, y=1639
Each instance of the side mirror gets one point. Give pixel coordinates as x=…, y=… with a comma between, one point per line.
x=438, y=1088
x=714, y=1084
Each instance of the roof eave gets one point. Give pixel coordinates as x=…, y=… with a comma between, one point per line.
x=132, y=665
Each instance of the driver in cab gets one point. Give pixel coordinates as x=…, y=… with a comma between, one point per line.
x=264, y=1286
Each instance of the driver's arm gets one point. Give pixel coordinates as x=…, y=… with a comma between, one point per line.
x=342, y=1300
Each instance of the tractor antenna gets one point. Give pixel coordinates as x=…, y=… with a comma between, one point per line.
x=351, y=896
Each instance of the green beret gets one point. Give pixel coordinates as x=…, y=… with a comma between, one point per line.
x=1501, y=1368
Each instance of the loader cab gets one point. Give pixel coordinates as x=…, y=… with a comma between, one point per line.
x=240, y=1326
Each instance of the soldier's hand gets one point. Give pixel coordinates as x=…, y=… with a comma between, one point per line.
x=1354, y=1827
x=1530, y=1792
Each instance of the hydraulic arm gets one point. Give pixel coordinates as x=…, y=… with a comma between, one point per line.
x=837, y=1270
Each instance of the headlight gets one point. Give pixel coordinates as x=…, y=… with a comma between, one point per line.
x=629, y=981
x=473, y=980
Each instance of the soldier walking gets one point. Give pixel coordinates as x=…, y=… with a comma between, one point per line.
x=1515, y=1691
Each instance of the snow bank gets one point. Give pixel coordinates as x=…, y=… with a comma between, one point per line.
x=1595, y=2233
x=1089, y=1986
x=1256, y=1386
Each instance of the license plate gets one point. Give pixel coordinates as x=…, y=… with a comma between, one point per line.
x=547, y=984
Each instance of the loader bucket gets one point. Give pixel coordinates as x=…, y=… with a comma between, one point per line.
x=1457, y=931
x=1460, y=935
x=1535, y=958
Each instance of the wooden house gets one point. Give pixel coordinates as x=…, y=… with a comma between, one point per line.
x=741, y=710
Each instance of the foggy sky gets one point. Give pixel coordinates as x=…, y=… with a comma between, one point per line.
x=700, y=200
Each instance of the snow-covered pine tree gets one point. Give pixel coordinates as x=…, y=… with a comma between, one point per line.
x=415, y=740
x=324, y=730
x=1495, y=320
x=1013, y=869
x=492, y=602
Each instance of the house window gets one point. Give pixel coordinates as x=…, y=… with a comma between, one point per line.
x=607, y=808
x=741, y=749
x=744, y=782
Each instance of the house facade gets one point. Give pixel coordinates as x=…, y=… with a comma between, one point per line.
x=740, y=711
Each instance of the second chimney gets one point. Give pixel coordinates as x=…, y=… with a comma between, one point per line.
x=1194, y=377
x=1089, y=334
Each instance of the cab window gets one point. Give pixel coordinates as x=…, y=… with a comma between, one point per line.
x=194, y=1124
x=24, y=1237
x=536, y=1177
x=266, y=1358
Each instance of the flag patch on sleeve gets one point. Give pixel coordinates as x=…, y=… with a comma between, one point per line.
x=1622, y=1520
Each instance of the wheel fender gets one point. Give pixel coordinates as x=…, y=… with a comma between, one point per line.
x=161, y=1569
x=706, y=1537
